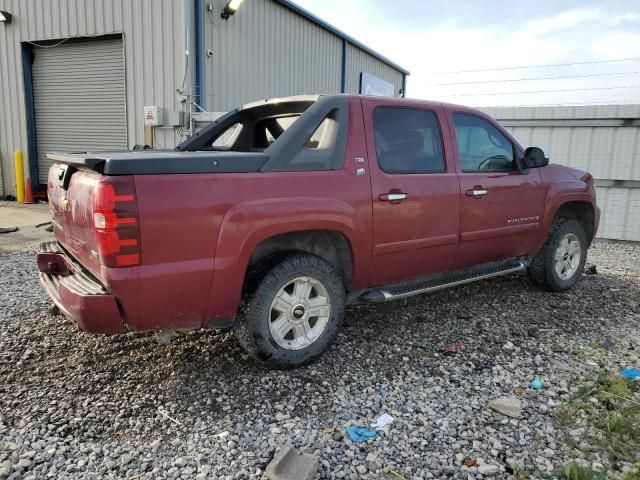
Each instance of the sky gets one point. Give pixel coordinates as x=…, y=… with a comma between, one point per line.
x=432, y=38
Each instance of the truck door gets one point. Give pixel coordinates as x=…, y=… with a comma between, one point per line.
x=502, y=206
x=415, y=190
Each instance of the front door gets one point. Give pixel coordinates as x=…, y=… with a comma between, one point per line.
x=501, y=206
x=416, y=196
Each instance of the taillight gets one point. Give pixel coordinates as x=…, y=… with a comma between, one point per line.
x=116, y=222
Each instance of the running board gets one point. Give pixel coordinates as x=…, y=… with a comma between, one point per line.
x=439, y=282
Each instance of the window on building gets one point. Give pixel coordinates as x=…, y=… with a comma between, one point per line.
x=408, y=140
x=481, y=146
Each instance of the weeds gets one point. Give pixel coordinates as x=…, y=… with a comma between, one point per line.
x=573, y=471
x=611, y=415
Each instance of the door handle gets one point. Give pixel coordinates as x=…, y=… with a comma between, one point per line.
x=476, y=192
x=392, y=196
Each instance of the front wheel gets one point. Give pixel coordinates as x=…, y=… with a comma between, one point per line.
x=559, y=263
x=293, y=313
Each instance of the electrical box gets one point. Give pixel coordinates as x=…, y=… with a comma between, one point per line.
x=173, y=119
x=153, y=116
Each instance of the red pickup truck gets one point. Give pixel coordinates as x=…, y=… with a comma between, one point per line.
x=272, y=218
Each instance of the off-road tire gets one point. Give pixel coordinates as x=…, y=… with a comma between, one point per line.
x=542, y=268
x=252, y=325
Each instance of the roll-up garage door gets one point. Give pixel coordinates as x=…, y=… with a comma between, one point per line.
x=79, y=98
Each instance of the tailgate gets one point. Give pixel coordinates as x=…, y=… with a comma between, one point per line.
x=70, y=193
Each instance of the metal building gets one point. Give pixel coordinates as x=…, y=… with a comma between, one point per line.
x=77, y=74
x=602, y=139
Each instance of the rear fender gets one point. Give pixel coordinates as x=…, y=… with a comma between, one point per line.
x=247, y=224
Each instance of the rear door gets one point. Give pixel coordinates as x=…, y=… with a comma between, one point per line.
x=416, y=196
x=501, y=206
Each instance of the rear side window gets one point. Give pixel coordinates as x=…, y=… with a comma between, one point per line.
x=481, y=146
x=408, y=140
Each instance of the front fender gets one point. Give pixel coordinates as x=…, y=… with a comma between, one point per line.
x=247, y=224
x=558, y=194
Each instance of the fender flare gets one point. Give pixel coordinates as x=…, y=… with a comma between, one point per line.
x=247, y=224
x=559, y=194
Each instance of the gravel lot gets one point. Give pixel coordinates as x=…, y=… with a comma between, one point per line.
x=74, y=405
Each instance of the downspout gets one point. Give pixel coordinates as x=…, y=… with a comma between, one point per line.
x=404, y=85
x=343, y=81
x=199, y=54
x=32, y=144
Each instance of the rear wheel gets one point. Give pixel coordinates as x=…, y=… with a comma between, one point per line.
x=292, y=313
x=559, y=263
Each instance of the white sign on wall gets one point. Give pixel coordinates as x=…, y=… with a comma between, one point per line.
x=372, y=85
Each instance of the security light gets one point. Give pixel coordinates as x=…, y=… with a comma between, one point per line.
x=5, y=17
x=230, y=8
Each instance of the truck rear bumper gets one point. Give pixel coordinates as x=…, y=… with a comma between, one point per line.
x=77, y=294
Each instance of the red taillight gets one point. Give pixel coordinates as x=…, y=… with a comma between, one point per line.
x=116, y=222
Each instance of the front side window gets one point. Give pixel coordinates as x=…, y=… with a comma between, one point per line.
x=408, y=140
x=481, y=146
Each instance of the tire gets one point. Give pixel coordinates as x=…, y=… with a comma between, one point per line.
x=558, y=274
x=276, y=325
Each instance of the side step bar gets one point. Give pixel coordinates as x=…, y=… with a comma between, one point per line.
x=439, y=282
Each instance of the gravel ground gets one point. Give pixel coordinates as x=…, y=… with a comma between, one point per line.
x=74, y=405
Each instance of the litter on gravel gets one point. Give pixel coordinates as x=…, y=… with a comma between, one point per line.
x=75, y=406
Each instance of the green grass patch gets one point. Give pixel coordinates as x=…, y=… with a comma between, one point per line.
x=573, y=471
x=611, y=409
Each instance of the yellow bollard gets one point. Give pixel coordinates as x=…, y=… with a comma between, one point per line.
x=19, y=176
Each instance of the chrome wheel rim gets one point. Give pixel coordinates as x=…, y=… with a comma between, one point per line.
x=567, y=257
x=299, y=313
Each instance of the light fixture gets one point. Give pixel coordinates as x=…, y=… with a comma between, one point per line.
x=5, y=17
x=230, y=8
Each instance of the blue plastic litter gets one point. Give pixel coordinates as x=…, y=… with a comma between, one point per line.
x=630, y=373
x=537, y=384
x=358, y=434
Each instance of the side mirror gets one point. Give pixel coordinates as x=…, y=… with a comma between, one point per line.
x=534, y=158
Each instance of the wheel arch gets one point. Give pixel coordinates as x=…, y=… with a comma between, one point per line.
x=570, y=204
x=251, y=231
x=330, y=245
x=580, y=210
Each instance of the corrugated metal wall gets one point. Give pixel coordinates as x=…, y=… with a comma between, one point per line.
x=154, y=39
x=360, y=61
x=268, y=50
x=601, y=139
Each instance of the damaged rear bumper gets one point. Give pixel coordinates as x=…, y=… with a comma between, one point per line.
x=78, y=295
